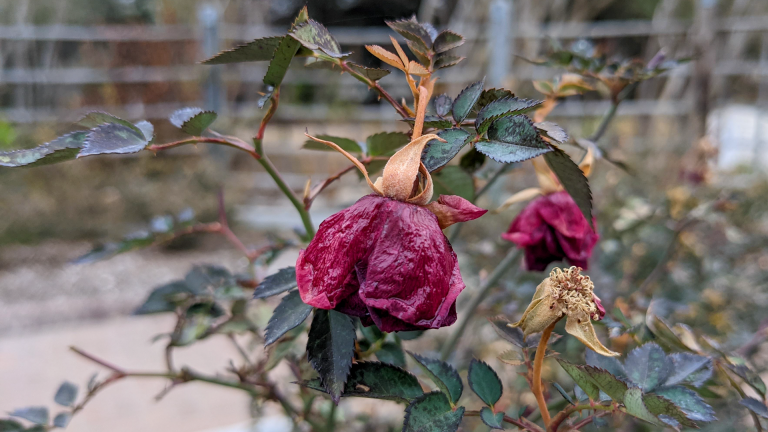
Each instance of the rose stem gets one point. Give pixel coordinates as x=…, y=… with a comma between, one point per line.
x=374, y=85
x=538, y=362
x=513, y=256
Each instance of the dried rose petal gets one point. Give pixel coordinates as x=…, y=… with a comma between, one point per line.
x=552, y=228
x=451, y=209
x=384, y=261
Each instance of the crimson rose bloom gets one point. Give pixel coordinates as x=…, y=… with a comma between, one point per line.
x=386, y=262
x=552, y=228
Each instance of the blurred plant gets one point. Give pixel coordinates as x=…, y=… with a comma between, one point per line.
x=381, y=271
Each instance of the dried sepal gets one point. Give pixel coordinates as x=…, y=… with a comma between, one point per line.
x=402, y=168
x=451, y=209
x=521, y=196
x=353, y=159
x=547, y=180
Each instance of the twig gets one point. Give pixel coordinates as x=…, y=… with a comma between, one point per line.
x=374, y=85
x=522, y=423
x=227, y=141
x=608, y=117
x=240, y=349
x=310, y=197
x=589, y=420
x=513, y=256
x=564, y=414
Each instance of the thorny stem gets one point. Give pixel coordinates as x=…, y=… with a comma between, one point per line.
x=374, y=85
x=227, y=141
x=275, y=174
x=522, y=423
x=509, y=261
x=538, y=362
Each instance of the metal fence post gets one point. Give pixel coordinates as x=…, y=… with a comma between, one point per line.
x=500, y=42
x=208, y=17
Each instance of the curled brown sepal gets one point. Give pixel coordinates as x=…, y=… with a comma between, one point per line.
x=566, y=293
x=451, y=209
x=353, y=159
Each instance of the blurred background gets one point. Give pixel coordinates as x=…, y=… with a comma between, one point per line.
x=682, y=215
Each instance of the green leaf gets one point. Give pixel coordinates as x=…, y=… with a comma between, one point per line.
x=472, y=161
x=330, y=347
x=513, y=139
x=282, y=281
x=198, y=320
x=113, y=138
x=582, y=378
x=377, y=381
x=373, y=74
x=690, y=403
x=490, y=95
x=289, y=314
x=278, y=66
x=371, y=333
x=633, y=402
x=446, y=60
x=443, y=375
x=452, y=180
x=11, y=426
x=37, y=415
x=413, y=31
x=61, y=149
x=316, y=37
x=146, y=129
x=754, y=405
x=501, y=108
x=432, y=122
x=97, y=118
x=258, y=50
x=647, y=366
x=447, y=40
x=573, y=180
x=464, y=102
x=208, y=277
x=484, y=382
x=431, y=412
x=512, y=335
x=563, y=393
x=391, y=353
x=443, y=105
x=665, y=410
x=552, y=131
x=689, y=368
x=750, y=377
x=345, y=143
x=421, y=53
x=61, y=420
x=410, y=334
x=66, y=394
x=192, y=120
x=386, y=143
x=605, y=381
x=165, y=298
x=493, y=421
x=664, y=333
x=437, y=153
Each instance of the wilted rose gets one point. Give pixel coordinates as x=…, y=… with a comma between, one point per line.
x=386, y=262
x=552, y=228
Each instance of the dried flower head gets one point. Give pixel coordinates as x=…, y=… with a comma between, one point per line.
x=566, y=293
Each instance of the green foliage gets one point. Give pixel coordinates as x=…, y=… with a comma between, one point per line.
x=192, y=120
x=689, y=402
x=443, y=105
x=62, y=420
x=66, y=394
x=552, y=131
x=280, y=282
x=437, y=153
x=315, y=36
x=464, y=102
x=63, y=148
x=160, y=229
x=432, y=412
x=447, y=40
x=501, y=108
x=262, y=49
x=38, y=415
x=432, y=122
x=386, y=143
x=756, y=406
x=289, y=314
x=391, y=353
x=493, y=421
x=377, y=381
x=373, y=74
x=472, y=161
x=11, y=426
x=512, y=335
x=452, y=180
x=572, y=179
x=484, y=382
x=330, y=345
x=443, y=375
x=648, y=366
x=513, y=139
x=582, y=378
x=490, y=95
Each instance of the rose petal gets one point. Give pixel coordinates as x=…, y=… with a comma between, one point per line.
x=451, y=209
